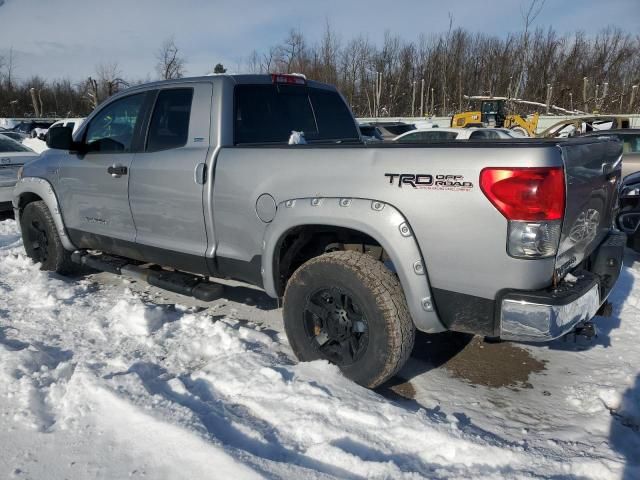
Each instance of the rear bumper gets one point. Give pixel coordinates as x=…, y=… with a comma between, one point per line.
x=543, y=315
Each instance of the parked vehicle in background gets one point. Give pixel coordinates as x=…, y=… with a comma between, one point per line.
x=365, y=243
x=370, y=133
x=574, y=126
x=441, y=134
x=28, y=126
x=17, y=136
x=12, y=156
x=493, y=112
x=39, y=133
x=630, y=138
x=629, y=217
x=390, y=130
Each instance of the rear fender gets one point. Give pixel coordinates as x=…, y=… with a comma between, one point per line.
x=376, y=219
x=43, y=189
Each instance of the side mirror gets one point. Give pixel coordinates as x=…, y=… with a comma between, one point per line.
x=60, y=138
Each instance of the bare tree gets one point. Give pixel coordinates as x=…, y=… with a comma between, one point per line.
x=453, y=64
x=170, y=64
x=108, y=81
x=292, y=49
x=10, y=68
x=269, y=59
x=528, y=17
x=253, y=62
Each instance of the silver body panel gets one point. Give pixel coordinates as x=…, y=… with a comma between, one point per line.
x=91, y=199
x=462, y=237
x=456, y=234
x=166, y=201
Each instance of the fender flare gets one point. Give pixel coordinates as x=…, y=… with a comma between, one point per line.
x=43, y=189
x=379, y=220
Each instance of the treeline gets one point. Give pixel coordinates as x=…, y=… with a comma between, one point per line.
x=575, y=72
x=429, y=76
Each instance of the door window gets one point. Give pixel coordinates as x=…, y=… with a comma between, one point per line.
x=112, y=129
x=170, y=121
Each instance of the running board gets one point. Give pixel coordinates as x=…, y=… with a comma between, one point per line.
x=177, y=282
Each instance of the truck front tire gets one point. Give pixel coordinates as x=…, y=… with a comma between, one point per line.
x=41, y=240
x=348, y=308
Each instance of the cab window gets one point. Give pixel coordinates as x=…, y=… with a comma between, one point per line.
x=170, y=121
x=112, y=129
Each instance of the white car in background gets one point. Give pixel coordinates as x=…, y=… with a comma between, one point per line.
x=439, y=134
x=12, y=156
x=74, y=123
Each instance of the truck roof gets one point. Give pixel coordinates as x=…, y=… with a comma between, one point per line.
x=217, y=77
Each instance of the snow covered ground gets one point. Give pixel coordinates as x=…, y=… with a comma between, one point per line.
x=104, y=378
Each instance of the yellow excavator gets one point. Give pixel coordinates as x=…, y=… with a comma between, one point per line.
x=492, y=113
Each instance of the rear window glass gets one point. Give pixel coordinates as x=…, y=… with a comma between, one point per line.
x=9, y=145
x=269, y=113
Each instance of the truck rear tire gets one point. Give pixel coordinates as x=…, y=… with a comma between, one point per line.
x=41, y=240
x=348, y=308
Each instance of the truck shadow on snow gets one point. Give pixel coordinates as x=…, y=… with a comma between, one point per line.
x=624, y=435
x=224, y=422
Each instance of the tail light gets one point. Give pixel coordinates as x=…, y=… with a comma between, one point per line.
x=533, y=201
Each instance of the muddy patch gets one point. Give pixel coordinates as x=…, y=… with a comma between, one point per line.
x=501, y=364
x=398, y=389
x=494, y=364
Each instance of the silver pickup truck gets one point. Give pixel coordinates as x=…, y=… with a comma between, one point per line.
x=364, y=243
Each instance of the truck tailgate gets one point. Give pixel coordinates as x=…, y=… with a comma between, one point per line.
x=593, y=172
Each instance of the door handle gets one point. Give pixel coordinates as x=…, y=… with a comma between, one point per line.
x=117, y=170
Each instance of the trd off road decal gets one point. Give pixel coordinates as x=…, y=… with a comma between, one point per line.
x=429, y=182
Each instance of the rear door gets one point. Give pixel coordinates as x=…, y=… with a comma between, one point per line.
x=93, y=186
x=167, y=178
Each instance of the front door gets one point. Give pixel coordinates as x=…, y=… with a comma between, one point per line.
x=93, y=185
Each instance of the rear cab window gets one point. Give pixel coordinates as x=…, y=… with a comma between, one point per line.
x=267, y=114
x=169, y=127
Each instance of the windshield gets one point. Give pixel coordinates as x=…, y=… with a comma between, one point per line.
x=269, y=113
x=8, y=145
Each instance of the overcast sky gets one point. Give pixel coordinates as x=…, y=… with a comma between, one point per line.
x=68, y=38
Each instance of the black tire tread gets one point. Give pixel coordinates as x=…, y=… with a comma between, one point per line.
x=61, y=262
x=390, y=299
